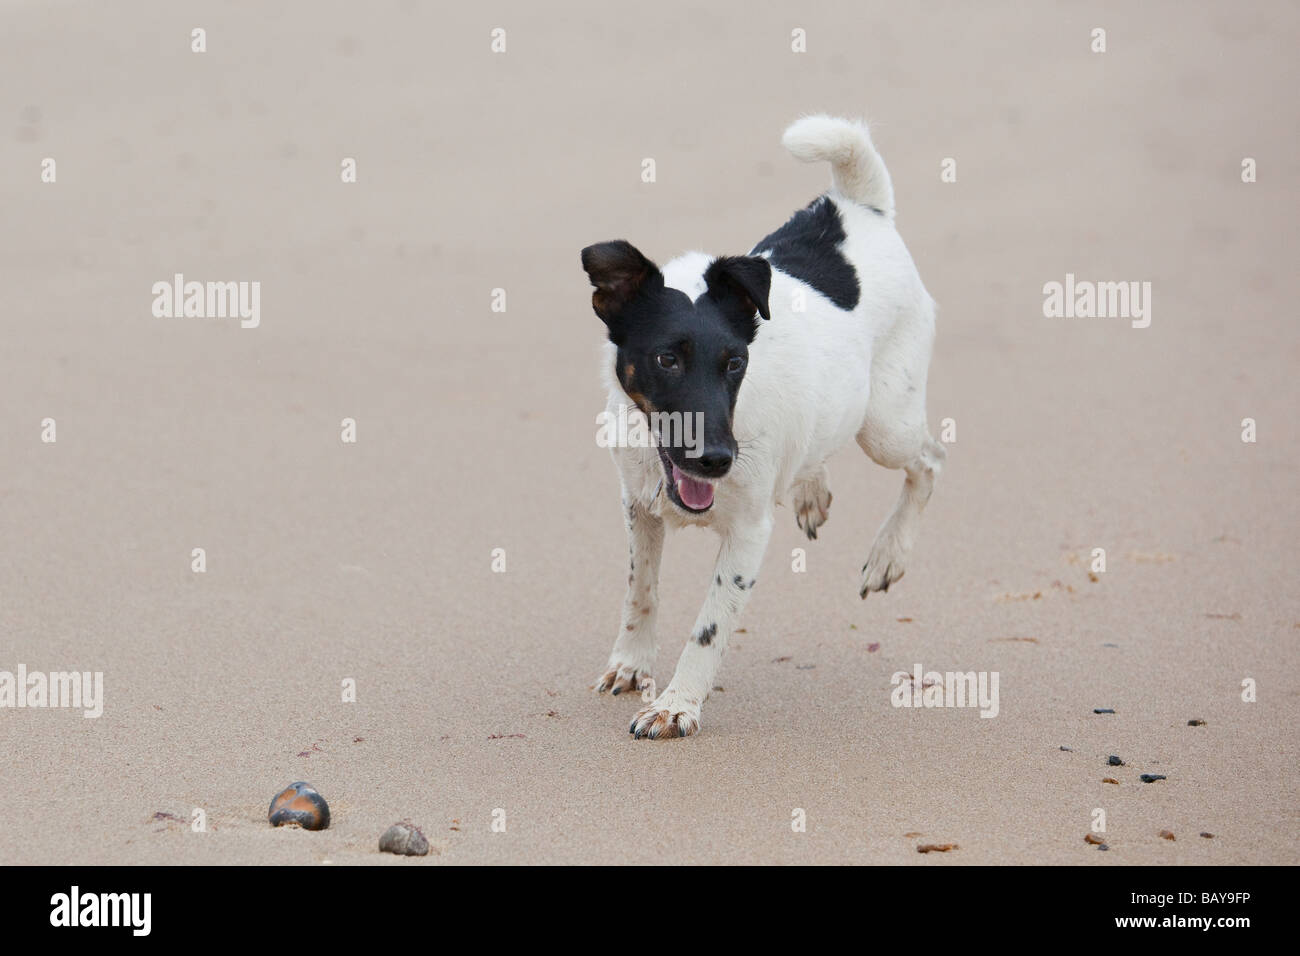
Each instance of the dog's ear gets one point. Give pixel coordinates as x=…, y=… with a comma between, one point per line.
x=740, y=286
x=618, y=271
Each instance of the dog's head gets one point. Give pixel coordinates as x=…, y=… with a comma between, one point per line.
x=682, y=361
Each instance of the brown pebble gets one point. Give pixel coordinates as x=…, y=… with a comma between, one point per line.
x=404, y=839
x=936, y=847
x=1092, y=838
x=299, y=805
x=1110, y=780
x=1208, y=836
x=1166, y=834
x=1196, y=723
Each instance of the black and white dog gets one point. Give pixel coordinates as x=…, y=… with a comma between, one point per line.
x=829, y=328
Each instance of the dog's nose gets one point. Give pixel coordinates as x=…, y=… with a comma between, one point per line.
x=715, y=462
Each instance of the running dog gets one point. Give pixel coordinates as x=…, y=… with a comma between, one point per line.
x=819, y=336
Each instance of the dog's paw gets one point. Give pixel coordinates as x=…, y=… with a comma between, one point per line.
x=812, y=506
x=623, y=677
x=671, y=715
x=886, y=565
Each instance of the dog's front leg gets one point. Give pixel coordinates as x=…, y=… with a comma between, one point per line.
x=633, y=656
x=676, y=712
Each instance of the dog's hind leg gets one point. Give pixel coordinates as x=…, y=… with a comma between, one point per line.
x=811, y=499
x=895, y=435
x=676, y=712
x=888, y=559
x=633, y=656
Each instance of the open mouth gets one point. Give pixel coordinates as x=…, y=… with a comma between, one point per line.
x=686, y=491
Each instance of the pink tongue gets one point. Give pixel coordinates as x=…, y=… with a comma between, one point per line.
x=693, y=492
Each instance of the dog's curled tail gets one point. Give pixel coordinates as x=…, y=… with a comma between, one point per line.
x=857, y=170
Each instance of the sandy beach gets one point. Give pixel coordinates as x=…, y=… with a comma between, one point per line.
x=371, y=562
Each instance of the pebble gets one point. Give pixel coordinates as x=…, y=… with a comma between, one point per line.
x=1110, y=780
x=1114, y=761
x=1094, y=839
x=1152, y=777
x=1068, y=750
x=1103, y=710
x=404, y=839
x=936, y=847
x=299, y=804
x=1166, y=834
x=1196, y=723
x=1208, y=836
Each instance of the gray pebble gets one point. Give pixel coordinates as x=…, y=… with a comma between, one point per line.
x=1103, y=710
x=1152, y=777
x=404, y=839
x=1114, y=761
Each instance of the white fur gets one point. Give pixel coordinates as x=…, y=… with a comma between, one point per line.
x=816, y=380
x=857, y=170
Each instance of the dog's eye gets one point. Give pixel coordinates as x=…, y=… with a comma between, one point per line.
x=735, y=363
x=666, y=360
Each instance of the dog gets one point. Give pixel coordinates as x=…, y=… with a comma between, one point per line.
x=820, y=335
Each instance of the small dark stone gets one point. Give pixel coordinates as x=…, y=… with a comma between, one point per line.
x=1196, y=723
x=299, y=805
x=404, y=839
x=1114, y=761
x=1104, y=846
x=1068, y=750
x=1208, y=836
x=1103, y=710
x=1152, y=777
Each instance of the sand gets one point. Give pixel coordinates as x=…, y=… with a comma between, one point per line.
x=371, y=561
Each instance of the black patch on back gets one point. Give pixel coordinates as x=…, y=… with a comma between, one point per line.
x=808, y=248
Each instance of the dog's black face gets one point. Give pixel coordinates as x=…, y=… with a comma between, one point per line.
x=681, y=362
